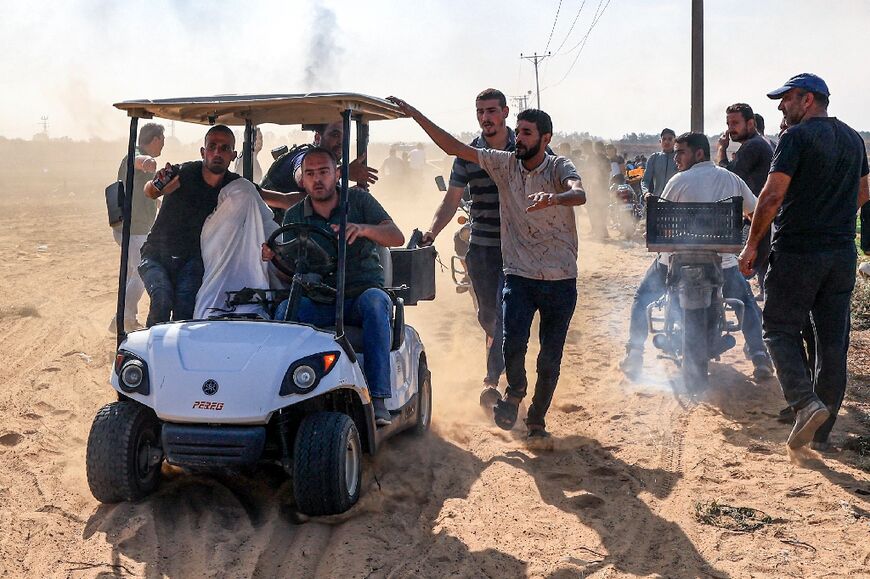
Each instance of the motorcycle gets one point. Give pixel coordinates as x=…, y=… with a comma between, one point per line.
x=691, y=322
x=626, y=210
x=461, y=239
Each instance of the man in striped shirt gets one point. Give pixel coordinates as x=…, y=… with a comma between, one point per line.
x=483, y=260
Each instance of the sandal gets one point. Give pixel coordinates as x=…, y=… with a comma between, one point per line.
x=505, y=412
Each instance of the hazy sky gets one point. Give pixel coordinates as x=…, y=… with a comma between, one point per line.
x=71, y=60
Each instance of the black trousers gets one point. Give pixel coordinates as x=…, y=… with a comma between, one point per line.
x=797, y=285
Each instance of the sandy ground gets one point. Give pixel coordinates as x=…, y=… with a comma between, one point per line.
x=613, y=497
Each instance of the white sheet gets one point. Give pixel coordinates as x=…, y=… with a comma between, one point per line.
x=231, y=240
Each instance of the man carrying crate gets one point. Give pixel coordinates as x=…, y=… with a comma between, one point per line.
x=698, y=179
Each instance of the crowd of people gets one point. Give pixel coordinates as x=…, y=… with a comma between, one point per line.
x=801, y=197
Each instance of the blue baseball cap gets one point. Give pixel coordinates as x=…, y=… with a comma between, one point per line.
x=805, y=80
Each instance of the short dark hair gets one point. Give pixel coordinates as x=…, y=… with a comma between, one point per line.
x=540, y=118
x=492, y=94
x=149, y=132
x=667, y=131
x=742, y=108
x=318, y=151
x=696, y=141
x=221, y=129
x=759, y=123
x=822, y=99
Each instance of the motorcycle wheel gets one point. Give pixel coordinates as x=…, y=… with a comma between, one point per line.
x=695, y=354
x=626, y=224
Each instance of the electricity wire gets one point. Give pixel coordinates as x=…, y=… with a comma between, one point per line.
x=570, y=30
x=555, y=20
x=582, y=43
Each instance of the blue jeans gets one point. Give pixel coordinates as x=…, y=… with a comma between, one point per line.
x=554, y=301
x=797, y=285
x=172, y=284
x=371, y=310
x=653, y=287
x=484, y=266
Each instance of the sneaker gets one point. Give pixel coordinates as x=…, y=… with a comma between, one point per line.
x=537, y=431
x=763, y=368
x=786, y=415
x=807, y=420
x=382, y=415
x=632, y=363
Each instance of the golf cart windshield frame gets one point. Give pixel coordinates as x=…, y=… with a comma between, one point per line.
x=250, y=110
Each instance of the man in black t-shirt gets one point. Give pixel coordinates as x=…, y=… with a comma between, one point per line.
x=171, y=264
x=285, y=174
x=751, y=163
x=817, y=182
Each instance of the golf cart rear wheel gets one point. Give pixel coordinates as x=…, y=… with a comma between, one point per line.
x=327, y=464
x=124, y=453
x=424, y=398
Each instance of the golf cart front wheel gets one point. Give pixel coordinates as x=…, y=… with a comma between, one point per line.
x=424, y=398
x=124, y=453
x=327, y=464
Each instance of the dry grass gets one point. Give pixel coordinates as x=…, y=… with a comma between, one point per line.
x=861, y=304
x=744, y=519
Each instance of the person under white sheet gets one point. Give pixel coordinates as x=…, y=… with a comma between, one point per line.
x=230, y=242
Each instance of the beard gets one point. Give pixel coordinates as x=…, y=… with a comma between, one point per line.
x=216, y=167
x=524, y=153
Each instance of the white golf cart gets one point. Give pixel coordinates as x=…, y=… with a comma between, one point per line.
x=238, y=390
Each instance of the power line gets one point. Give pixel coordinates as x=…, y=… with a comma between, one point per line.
x=595, y=18
x=582, y=43
x=570, y=30
x=555, y=20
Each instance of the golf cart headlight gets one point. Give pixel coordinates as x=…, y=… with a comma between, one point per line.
x=133, y=377
x=304, y=377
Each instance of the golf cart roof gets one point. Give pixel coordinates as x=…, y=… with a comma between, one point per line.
x=281, y=109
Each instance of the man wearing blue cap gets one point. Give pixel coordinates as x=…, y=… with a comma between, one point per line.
x=817, y=182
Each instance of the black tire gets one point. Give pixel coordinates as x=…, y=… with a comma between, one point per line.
x=696, y=356
x=424, y=399
x=627, y=225
x=327, y=464
x=122, y=444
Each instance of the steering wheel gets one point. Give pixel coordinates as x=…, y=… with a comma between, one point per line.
x=299, y=248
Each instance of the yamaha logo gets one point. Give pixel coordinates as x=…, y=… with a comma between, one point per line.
x=210, y=387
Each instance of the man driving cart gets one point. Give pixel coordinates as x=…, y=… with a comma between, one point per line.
x=366, y=303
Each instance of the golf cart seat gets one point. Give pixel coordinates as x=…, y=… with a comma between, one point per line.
x=355, y=334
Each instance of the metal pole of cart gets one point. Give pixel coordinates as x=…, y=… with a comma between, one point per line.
x=127, y=210
x=248, y=152
x=342, y=237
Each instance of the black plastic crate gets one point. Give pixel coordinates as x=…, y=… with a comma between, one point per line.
x=414, y=268
x=694, y=225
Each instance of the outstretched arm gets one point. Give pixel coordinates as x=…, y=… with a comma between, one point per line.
x=445, y=141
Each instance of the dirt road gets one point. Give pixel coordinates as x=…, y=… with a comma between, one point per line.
x=615, y=495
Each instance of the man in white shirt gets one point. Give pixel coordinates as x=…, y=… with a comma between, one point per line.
x=699, y=179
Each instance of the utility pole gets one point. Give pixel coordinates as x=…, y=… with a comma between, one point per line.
x=697, y=115
x=43, y=120
x=521, y=102
x=536, y=58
